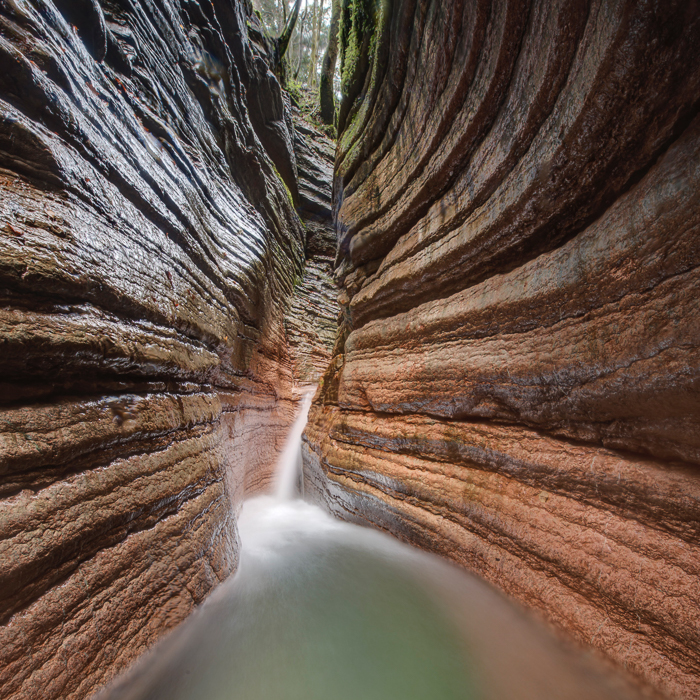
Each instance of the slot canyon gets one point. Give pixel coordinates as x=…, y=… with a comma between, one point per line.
x=489, y=280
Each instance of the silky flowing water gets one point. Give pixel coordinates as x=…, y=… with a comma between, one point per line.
x=320, y=609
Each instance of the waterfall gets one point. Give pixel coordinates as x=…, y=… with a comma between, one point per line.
x=289, y=464
x=322, y=609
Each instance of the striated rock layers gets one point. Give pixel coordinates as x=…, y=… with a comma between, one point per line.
x=516, y=379
x=312, y=319
x=148, y=249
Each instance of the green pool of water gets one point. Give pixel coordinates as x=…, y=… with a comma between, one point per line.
x=324, y=610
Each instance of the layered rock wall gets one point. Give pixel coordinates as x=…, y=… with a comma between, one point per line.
x=515, y=384
x=312, y=319
x=148, y=249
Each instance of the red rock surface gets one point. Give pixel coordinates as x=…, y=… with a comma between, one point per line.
x=148, y=250
x=515, y=385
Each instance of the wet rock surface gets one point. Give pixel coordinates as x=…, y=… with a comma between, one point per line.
x=515, y=380
x=149, y=246
x=312, y=319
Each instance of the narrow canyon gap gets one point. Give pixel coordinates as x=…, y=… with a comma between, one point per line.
x=508, y=369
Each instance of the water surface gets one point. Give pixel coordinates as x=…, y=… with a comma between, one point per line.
x=321, y=609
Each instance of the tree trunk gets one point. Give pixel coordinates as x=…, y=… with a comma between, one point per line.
x=309, y=80
x=286, y=35
x=314, y=50
x=326, y=91
x=282, y=43
x=301, y=45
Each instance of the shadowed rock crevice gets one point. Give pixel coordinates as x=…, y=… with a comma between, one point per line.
x=312, y=319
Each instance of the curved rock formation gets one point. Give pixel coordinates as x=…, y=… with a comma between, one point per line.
x=149, y=246
x=515, y=383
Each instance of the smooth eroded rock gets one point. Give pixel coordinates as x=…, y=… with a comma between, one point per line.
x=148, y=252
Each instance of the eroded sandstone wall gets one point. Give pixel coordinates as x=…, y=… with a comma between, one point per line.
x=515, y=385
x=312, y=319
x=148, y=248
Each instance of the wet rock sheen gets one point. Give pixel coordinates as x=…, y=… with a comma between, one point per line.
x=149, y=247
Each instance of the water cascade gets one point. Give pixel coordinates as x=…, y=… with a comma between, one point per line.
x=289, y=467
x=489, y=264
x=321, y=609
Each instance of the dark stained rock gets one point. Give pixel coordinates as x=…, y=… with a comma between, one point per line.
x=312, y=319
x=86, y=16
x=148, y=252
x=515, y=378
x=315, y=153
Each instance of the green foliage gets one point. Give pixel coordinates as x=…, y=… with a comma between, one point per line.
x=301, y=67
x=357, y=30
x=307, y=101
x=329, y=130
x=295, y=90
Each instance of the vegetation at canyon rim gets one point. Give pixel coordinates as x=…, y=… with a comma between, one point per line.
x=308, y=31
x=323, y=51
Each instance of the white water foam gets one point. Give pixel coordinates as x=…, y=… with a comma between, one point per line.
x=289, y=464
x=321, y=609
